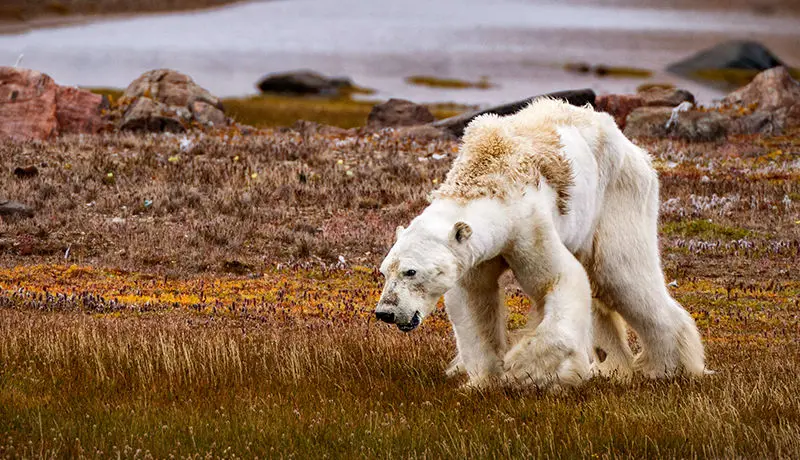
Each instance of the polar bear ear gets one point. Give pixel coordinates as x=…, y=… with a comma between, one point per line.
x=461, y=232
x=398, y=231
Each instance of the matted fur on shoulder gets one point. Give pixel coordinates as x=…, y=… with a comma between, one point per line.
x=500, y=155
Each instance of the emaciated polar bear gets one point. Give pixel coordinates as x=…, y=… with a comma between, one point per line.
x=553, y=192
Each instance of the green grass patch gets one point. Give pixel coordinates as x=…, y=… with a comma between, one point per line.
x=266, y=111
x=648, y=86
x=602, y=70
x=624, y=72
x=275, y=111
x=113, y=94
x=448, y=83
x=734, y=77
x=704, y=229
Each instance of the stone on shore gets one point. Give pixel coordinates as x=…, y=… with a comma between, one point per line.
x=27, y=104
x=774, y=99
x=175, y=100
x=666, y=122
x=79, y=111
x=665, y=97
x=398, y=112
x=731, y=55
x=145, y=114
x=34, y=107
x=303, y=82
x=618, y=106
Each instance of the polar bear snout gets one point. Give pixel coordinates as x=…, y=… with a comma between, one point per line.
x=385, y=316
x=388, y=311
x=387, y=308
x=405, y=322
x=411, y=325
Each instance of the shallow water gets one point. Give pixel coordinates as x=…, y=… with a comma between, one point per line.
x=520, y=45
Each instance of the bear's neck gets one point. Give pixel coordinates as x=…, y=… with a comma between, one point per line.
x=489, y=219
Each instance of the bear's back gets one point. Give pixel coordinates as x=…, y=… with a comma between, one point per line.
x=501, y=155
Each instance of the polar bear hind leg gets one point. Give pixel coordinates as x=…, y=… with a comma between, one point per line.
x=613, y=356
x=626, y=272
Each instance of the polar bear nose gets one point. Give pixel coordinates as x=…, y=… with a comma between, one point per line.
x=385, y=316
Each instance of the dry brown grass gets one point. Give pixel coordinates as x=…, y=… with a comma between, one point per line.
x=256, y=200
x=144, y=347
x=82, y=375
x=235, y=202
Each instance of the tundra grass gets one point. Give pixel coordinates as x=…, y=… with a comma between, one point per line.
x=704, y=229
x=211, y=294
x=733, y=78
x=448, y=83
x=116, y=364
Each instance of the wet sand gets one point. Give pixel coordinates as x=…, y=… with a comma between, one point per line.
x=520, y=45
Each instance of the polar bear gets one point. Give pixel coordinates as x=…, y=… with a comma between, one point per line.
x=558, y=195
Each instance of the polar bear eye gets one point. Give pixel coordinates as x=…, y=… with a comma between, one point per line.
x=409, y=273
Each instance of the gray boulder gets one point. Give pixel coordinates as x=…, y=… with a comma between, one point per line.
x=303, y=82
x=665, y=97
x=771, y=89
x=13, y=209
x=774, y=97
x=692, y=126
x=423, y=133
x=145, y=114
x=170, y=87
x=741, y=55
x=171, y=99
x=398, y=112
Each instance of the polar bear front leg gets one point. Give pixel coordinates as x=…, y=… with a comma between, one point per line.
x=557, y=352
x=477, y=311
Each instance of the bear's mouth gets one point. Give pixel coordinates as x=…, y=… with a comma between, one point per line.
x=411, y=325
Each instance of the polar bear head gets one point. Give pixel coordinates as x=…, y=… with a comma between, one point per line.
x=422, y=265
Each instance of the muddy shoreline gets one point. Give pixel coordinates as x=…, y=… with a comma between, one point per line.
x=20, y=17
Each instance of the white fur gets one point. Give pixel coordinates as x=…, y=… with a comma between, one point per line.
x=609, y=232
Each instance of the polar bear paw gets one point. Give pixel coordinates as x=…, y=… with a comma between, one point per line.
x=455, y=368
x=543, y=364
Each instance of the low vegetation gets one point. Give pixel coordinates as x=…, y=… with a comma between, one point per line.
x=733, y=78
x=602, y=70
x=704, y=229
x=211, y=294
x=448, y=83
x=269, y=111
x=290, y=364
x=343, y=112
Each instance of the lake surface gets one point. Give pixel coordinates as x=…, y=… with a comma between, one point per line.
x=521, y=46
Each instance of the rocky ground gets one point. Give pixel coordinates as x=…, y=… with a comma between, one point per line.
x=173, y=282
